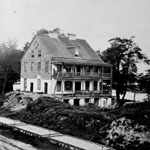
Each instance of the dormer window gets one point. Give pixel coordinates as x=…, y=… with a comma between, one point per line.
x=76, y=52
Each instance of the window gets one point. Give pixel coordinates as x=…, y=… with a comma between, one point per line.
x=25, y=66
x=39, y=66
x=96, y=101
x=87, y=100
x=39, y=84
x=107, y=70
x=78, y=69
x=87, y=69
x=25, y=83
x=76, y=52
x=106, y=86
x=46, y=66
x=68, y=67
x=32, y=53
x=87, y=85
x=95, y=85
x=100, y=69
x=58, y=86
x=66, y=101
x=100, y=86
x=68, y=86
x=32, y=66
x=39, y=53
x=96, y=69
x=59, y=68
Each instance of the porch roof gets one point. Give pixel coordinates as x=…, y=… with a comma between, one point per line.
x=77, y=61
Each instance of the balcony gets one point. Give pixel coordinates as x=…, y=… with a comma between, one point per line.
x=87, y=94
x=80, y=75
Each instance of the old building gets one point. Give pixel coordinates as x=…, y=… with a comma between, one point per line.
x=66, y=67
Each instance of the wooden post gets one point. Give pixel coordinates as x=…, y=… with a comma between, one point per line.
x=62, y=88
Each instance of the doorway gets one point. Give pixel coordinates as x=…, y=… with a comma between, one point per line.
x=76, y=102
x=31, y=87
x=78, y=71
x=45, y=88
x=77, y=86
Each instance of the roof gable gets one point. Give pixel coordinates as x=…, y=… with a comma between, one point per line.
x=61, y=47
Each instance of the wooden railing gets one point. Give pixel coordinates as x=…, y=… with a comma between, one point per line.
x=81, y=75
x=83, y=93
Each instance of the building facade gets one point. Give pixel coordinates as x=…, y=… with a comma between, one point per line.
x=66, y=67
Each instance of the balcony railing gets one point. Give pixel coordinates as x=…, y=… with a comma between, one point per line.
x=107, y=75
x=81, y=75
x=85, y=93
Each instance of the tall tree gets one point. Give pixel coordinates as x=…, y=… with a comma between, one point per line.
x=9, y=64
x=123, y=54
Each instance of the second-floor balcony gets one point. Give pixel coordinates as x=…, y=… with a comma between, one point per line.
x=78, y=75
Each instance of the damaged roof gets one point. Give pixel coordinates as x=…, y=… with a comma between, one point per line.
x=64, y=48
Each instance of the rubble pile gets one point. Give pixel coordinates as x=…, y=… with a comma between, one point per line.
x=125, y=134
x=18, y=100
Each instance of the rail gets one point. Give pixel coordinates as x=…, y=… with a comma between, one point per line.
x=81, y=75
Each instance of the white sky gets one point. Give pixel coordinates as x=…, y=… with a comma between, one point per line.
x=97, y=21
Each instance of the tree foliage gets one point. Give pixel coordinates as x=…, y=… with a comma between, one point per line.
x=9, y=65
x=144, y=82
x=123, y=54
x=42, y=31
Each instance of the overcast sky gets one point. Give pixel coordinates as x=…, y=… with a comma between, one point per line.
x=97, y=21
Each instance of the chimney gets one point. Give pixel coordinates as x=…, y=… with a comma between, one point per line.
x=53, y=34
x=71, y=36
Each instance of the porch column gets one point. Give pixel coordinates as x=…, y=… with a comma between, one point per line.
x=62, y=87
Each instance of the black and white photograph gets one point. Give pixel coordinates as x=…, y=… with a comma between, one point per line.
x=74, y=74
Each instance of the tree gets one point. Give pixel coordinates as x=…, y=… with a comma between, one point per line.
x=42, y=31
x=123, y=54
x=144, y=83
x=9, y=64
x=26, y=46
